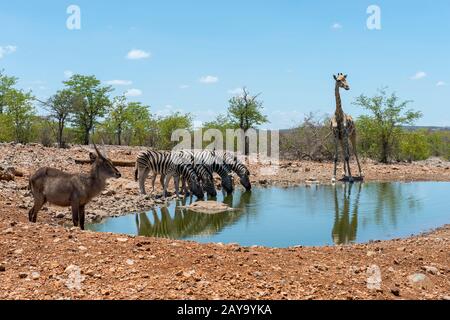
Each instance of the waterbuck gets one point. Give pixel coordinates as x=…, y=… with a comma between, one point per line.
x=71, y=190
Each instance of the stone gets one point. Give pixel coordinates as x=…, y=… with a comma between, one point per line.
x=23, y=275
x=419, y=280
x=2, y=268
x=209, y=207
x=130, y=262
x=35, y=275
x=60, y=215
x=122, y=239
x=395, y=291
x=373, y=278
x=431, y=270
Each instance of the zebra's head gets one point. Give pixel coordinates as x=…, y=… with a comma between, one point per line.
x=244, y=177
x=207, y=181
x=196, y=185
x=228, y=183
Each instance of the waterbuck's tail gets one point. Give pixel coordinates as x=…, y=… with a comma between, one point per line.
x=136, y=171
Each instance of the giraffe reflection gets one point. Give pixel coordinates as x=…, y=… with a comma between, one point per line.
x=346, y=217
x=184, y=223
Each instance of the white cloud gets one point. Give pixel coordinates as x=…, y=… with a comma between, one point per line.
x=441, y=84
x=133, y=93
x=209, y=79
x=167, y=111
x=7, y=50
x=419, y=75
x=137, y=54
x=184, y=86
x=68, y=74
x=236, y=92
x=119, y=82
x=336, y=26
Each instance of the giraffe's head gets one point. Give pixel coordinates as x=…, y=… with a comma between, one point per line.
x=341, y=81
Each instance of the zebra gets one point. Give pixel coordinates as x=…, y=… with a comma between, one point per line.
x=165, y=164
x=214, y=164
x=204, y=172
x=235, y=165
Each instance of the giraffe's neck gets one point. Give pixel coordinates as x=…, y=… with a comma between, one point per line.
x=339, y=112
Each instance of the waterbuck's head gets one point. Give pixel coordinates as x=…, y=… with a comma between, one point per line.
x=103, y=166
x=341, y=81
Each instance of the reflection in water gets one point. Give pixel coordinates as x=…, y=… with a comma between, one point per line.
x=346, y=217
x=282, y=217
x=186, y=223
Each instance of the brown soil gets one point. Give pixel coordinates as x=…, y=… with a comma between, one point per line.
x=40, y=261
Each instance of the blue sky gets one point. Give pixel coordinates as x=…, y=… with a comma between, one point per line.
x=197, y=53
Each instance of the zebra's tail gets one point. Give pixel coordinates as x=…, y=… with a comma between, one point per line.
x=136, y=172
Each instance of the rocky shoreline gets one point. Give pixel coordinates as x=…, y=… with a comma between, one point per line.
x=37, y=261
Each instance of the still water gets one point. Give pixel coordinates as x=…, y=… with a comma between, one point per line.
x=310, y=216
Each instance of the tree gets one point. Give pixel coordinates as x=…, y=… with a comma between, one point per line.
x=167, y=125
x=61, y=106
x=414, y=146
x=245, y=112
x=20, y=113
x=6, y=84
x=90, y=104
x=382, y=128
x=142, y=128
x=118, y=117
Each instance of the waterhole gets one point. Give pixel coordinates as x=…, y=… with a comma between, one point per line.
x=309, y=216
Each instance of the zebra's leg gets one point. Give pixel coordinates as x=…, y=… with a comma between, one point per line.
x=185, y=188
x=163, y=181
x=153, y=182
x=176, y=181
x=142, y=175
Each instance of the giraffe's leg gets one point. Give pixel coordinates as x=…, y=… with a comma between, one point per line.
x=347, y=155
x=353, y=141
x=336, y=150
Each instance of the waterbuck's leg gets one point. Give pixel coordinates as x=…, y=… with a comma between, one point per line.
x=81, y=217
x=142, y=175
x=75, y=212
x=39, y=201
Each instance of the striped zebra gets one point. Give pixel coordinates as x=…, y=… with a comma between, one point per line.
x=168, y=166
x=203, y=171
x=214, y=164
x=235, y=165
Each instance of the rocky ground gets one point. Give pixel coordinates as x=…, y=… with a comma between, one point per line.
x=48, y=261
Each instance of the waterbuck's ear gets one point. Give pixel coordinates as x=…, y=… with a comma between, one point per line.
x=334, y=76
x=346, y=76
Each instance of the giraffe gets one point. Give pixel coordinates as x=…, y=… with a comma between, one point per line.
x=343, y=128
